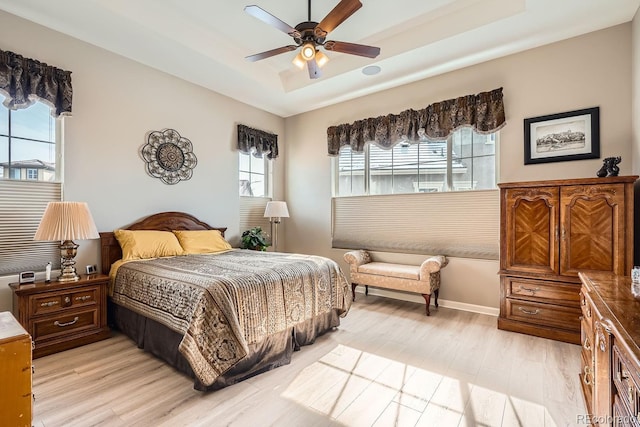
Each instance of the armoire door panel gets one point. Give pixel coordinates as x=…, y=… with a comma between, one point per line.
x=532, y=216
x=591, y=237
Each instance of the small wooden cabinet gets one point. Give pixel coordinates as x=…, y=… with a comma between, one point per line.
x=63, y=315
x=551, y=230
x=610, y=369
x=15, y=373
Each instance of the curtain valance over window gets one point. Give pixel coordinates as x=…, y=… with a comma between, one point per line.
x=24, y=81
x=483, y=112
x=257, y=142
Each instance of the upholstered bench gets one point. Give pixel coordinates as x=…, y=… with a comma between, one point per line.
x=423, y=279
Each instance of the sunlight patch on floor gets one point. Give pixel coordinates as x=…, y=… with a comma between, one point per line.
x=354, y=387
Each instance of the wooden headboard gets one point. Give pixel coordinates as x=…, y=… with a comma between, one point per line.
x=164, y=221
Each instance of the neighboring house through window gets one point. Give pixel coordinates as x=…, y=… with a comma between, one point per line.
x=465, y=161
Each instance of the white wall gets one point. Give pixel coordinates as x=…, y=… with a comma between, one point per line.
x=591, y=70
x=116, y=102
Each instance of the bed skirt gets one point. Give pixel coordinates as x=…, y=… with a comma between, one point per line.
x=274, y=351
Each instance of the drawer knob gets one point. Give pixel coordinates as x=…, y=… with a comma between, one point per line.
x=62, y=325
x=533, y=291
x=83, y=298
x=533, y=313
x=49, y=303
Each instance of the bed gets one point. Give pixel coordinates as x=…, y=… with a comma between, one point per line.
x=224, y=317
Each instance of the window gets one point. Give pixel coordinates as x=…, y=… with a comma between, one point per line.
x=28, y=143
x=465, y=161
x=255, y=191
x=254, y=176
x=29, y=179
x=32, y=174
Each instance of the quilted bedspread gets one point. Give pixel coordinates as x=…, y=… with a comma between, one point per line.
x=223, y=302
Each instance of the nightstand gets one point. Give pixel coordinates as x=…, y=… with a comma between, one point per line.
x=62, y=315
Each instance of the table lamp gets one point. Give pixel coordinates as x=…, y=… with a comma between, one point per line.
x=65, y=222
x=275, y=211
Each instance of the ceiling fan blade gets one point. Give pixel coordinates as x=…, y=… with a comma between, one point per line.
x=264, y=16
x=314, y=69
x=337, y=16
x=270, y=53
x=353, y=48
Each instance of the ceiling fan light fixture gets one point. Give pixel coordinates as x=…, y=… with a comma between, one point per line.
x=321, y=59
x=299, y=61
x=308, y=51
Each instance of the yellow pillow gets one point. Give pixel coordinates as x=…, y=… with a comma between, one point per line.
x=145, y=244
x=201, y=241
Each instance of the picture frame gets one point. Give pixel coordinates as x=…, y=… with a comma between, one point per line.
x=573, y=135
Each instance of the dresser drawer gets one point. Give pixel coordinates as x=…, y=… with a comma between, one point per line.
x=535, y=290
x=53, y=302
x=586, y=305
x=587, y=377
x=626, y=380
x=543, y=314
x=63, y=324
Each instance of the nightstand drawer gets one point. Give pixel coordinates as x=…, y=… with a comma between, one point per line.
x=54, y=302
x=64, y=324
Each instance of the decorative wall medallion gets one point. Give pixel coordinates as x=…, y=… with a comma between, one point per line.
x=169, y=156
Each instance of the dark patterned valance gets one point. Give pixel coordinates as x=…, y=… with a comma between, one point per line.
x=483, y=112
x=257, y=142
x=24, y=81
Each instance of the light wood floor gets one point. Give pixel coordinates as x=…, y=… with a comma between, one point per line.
x=386, y=365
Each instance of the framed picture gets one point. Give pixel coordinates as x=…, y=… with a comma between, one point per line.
x=574, y=135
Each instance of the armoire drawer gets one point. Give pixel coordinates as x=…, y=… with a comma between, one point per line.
x=537, y=290
x=553, y=315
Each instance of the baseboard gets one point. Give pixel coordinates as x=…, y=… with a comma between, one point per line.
x=456, y=305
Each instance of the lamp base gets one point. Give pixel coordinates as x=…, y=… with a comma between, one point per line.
x=68, y=251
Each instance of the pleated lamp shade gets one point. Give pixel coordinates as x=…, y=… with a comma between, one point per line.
x=66, y=221
x=276, y=210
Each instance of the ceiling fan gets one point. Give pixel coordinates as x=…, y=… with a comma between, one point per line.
x=311, y=35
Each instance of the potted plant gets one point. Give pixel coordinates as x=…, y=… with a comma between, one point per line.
x=255, y=239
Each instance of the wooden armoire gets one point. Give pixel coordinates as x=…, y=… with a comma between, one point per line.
x=551, y=230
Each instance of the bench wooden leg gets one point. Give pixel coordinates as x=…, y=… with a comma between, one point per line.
x=353, y=290
x=436, y=292
x=427, y=299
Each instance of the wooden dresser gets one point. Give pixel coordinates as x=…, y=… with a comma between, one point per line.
x=610, y=370
x=63, y=315
x=550, y=230
x=15, y=373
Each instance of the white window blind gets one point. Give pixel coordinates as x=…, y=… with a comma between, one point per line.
x=21, y=207
x=252, y=213
x=461, y=224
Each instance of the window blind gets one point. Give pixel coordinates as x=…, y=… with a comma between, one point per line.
x=461, y=224
x=252, y=213
x=21, y=207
